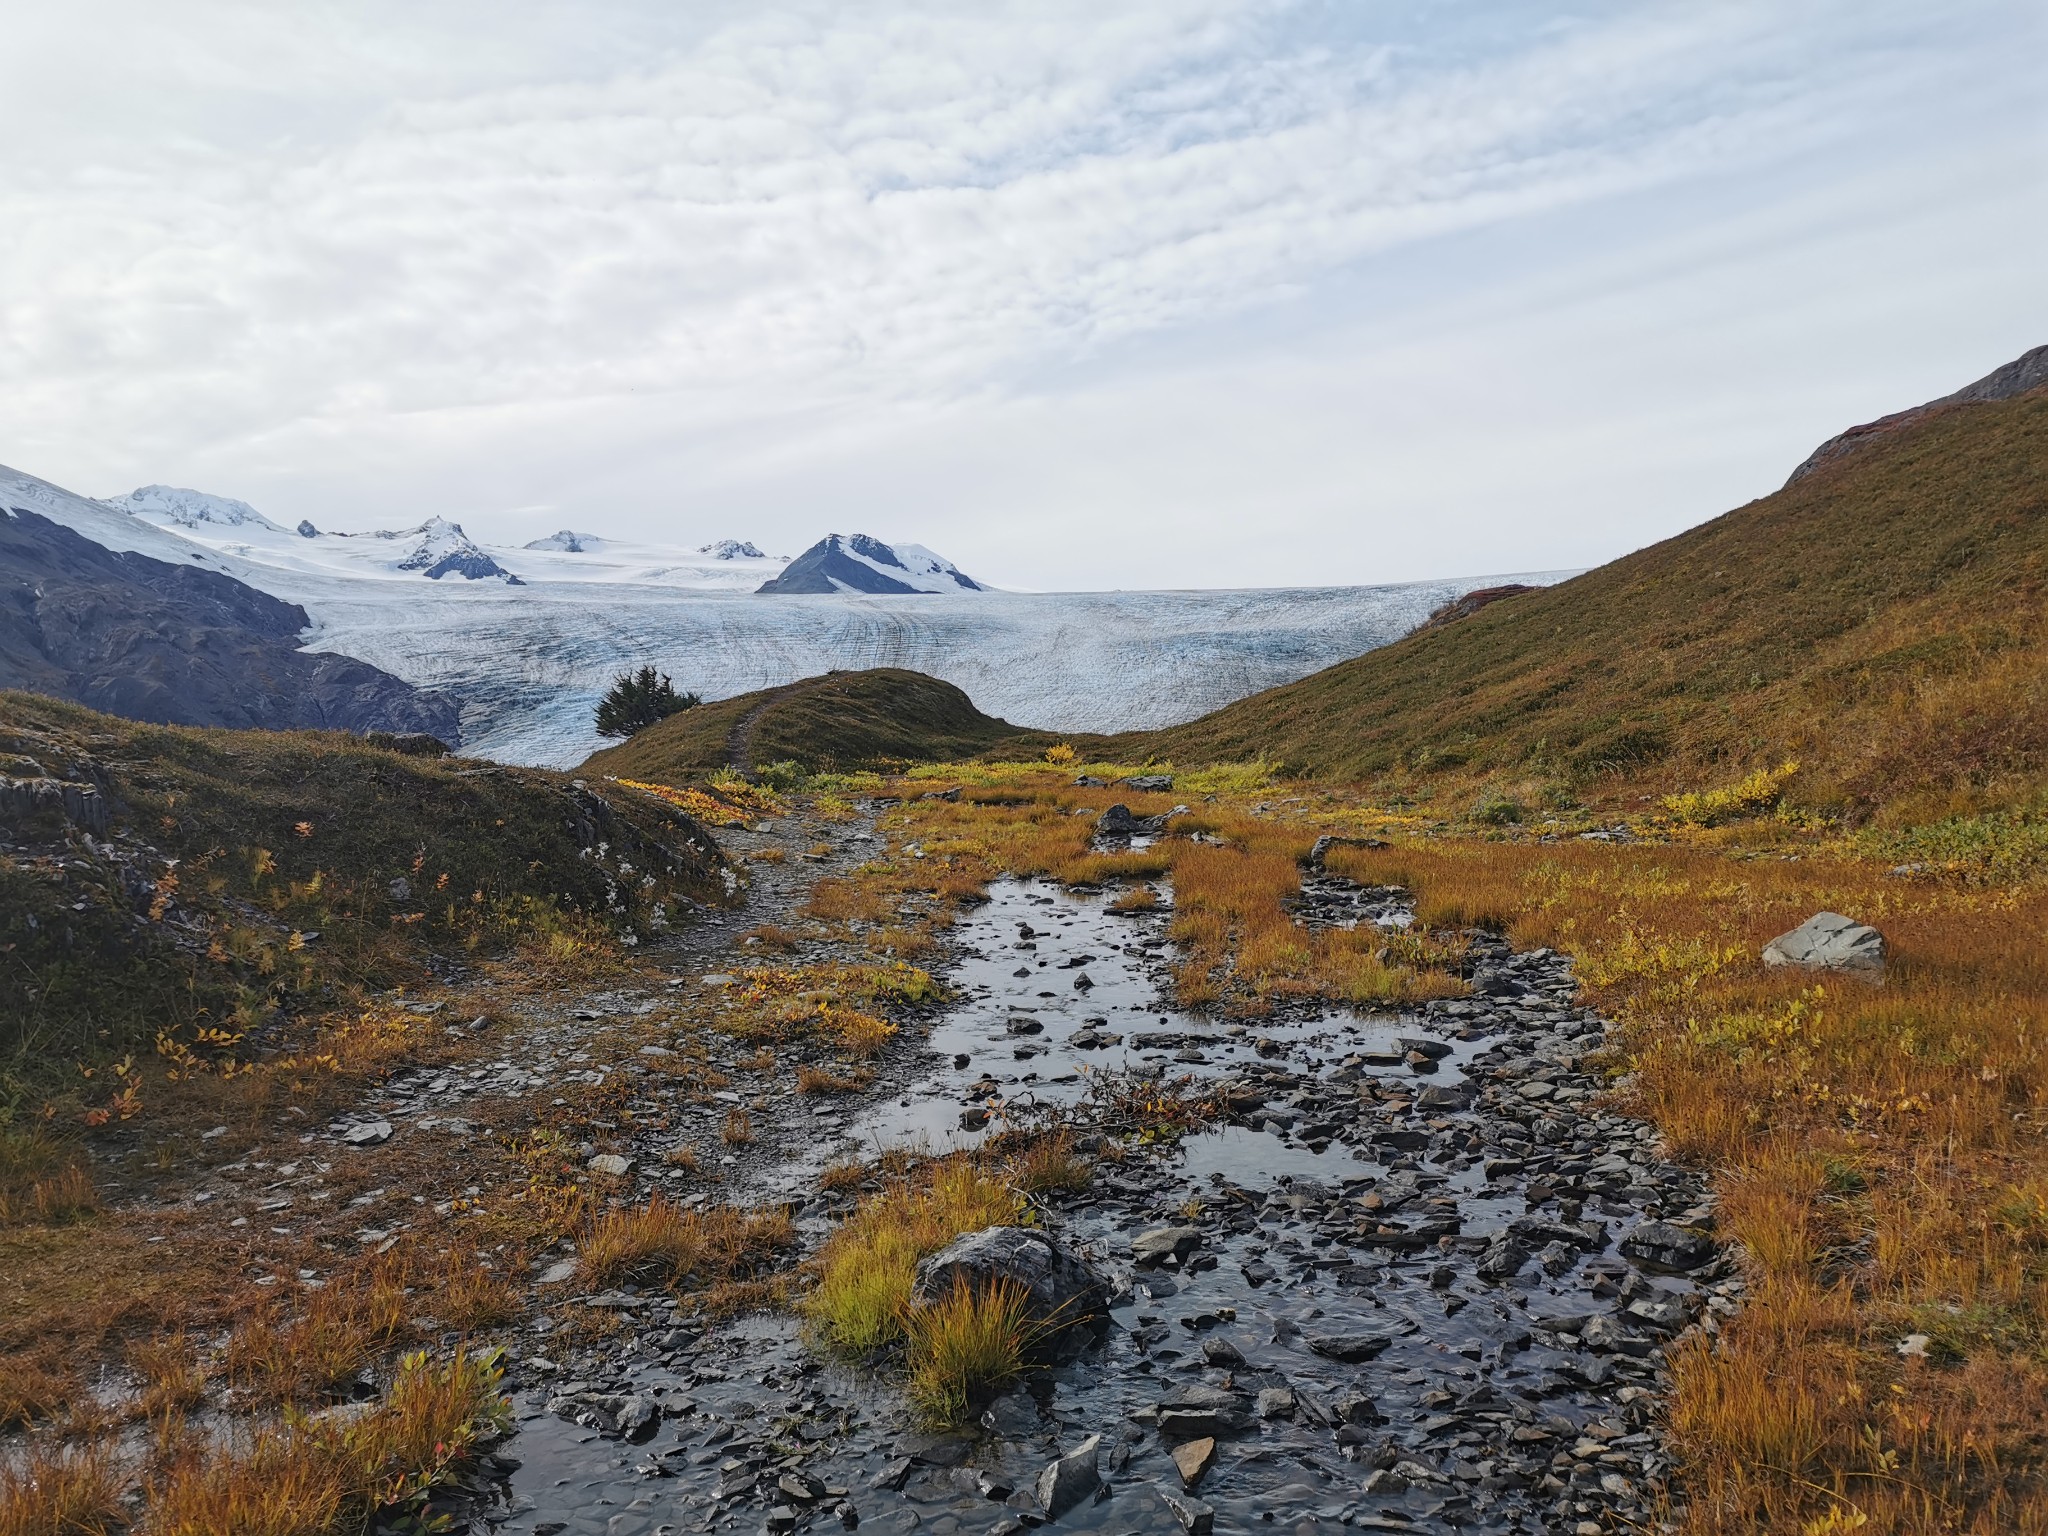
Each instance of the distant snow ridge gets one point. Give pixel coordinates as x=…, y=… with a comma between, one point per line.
x=568, y=542
x=858, y=563
x=161, y=504
x=730, y=549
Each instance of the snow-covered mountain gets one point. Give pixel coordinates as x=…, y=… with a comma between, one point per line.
x=842, y=562
x=530, y=661
x=170, y=505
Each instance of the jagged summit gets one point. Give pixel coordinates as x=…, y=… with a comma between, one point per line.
x=730, y=549
x=856, y=562
x=443, y=550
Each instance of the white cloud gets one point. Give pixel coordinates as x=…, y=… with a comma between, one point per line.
x=379, y=263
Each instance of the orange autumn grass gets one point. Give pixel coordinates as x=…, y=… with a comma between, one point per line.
x=1877, y=1151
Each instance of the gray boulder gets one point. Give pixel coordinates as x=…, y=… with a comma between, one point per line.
x=1118, y=821
x=1149, y=783
x=1063, y=1293
x=1828, y=941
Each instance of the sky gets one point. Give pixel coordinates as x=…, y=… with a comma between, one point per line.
x=1180, y=293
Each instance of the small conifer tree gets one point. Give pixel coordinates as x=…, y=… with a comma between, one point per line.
x=637, y=700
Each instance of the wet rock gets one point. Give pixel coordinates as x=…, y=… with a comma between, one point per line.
x=1062, y=1292
x=1351, y=1348
x=1163, y=1243
x=1355, y=1408
x=1828, y=941
x=1502, y=1258
x=973, y=1117
x=1192, y=1458
x=1659, y=1245
x=636, y=1419
x=1195, y=1517
x=1025, y=1027
x=1221, y=1352
x=801, y=1487
x=1276, y=1403
x=1067, y=1481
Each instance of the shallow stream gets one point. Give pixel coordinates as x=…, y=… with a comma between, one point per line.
x=1345, y=1316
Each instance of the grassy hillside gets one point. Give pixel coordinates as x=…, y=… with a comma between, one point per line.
x=843, y=720
x=1880, y=619
x=171, y=881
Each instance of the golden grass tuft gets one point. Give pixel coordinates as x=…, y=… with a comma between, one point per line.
x=661, y=1243
x=818, y=1081
x=965, y=1345
x=338, y=1330
x=738, y=1130
x=1045, y=1164
x=324, y=1478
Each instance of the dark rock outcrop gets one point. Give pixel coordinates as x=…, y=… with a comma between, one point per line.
x=2028, y=371
x=174, y=645
x=1464, y=607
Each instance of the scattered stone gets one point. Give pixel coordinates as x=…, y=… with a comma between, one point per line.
x=1067, y=1481
x=1163, y=1243
x=1276, y=1402
x=1658, y=1245
x=1192, y=1459
x=368, y=1133
x=1351, y=1348
x=1195, y=1517
x=611, y=1163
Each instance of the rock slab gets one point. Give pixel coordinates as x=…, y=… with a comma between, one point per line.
x=1828, y=941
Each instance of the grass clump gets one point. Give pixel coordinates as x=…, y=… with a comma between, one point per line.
x=324, y=1479
x=58, y=1490
x=965, y=1345
x=867, y=1268
x=661, y=1243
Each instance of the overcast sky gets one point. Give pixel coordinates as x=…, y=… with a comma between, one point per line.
x=1080, y=295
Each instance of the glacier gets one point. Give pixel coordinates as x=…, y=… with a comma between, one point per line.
x=529, y=662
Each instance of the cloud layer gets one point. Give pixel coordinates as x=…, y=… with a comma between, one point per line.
x=779, y=270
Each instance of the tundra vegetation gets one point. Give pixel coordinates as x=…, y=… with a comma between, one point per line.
x=214, y=943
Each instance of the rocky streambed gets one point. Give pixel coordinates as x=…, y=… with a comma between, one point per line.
x=1413, y=1278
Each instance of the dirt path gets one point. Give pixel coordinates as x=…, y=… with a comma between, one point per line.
x=739, y=741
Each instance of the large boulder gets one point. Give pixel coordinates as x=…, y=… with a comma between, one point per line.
x=1062, y=1293
x=1828, y=941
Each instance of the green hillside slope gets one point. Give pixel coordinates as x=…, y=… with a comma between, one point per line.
x=1880, y=619
x=842, y=720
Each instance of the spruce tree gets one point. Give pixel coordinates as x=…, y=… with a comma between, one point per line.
x=637, y=700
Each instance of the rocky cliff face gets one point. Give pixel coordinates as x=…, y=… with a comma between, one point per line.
x=172, y=645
